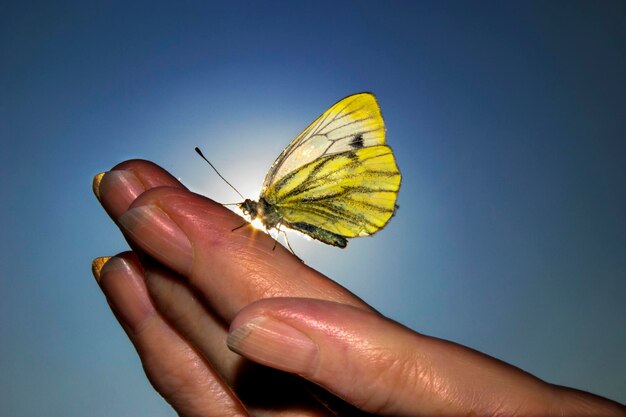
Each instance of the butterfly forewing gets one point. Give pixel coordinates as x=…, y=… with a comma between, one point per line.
x=352, y=123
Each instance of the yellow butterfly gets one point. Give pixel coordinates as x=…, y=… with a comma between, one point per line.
x=336, y=180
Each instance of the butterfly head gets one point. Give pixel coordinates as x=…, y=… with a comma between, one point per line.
x=262, y=210
x=251, y=208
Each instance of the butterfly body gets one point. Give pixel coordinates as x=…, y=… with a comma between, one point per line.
x=271, y=219
x=263, y=210
x=337, y=180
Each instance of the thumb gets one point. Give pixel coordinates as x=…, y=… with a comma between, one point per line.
x=367, y=360
x=384, y=368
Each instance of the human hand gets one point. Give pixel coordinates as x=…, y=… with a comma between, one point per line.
x=204, y=306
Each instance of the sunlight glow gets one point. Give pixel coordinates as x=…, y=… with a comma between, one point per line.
x=256, y=223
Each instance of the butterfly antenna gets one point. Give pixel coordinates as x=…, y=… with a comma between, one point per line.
x=217, y=172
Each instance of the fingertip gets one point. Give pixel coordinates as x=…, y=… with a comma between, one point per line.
x=276, y=344
x=117, y=189
x=122, y=282
x=96, y=266
x=351, y=352
x=154, y=230
x=150, y=174
x=95, y=184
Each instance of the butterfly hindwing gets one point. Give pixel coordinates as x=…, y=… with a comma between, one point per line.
x=347, y=194
x=320, y=234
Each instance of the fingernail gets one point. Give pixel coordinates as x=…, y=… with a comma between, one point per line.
x=275, y=344
x=96, y=266
x=126, y=291
x=95, y=184
x=119, y=188
x=158, y=235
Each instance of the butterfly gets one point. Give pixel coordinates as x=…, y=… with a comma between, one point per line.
x=336, y=180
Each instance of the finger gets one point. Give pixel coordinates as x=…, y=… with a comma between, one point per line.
x=380, y=366
x=193, y=236
x=119, y=187
x=174, y=368
x=116, y=194
x=192, y=323
x=204, y=330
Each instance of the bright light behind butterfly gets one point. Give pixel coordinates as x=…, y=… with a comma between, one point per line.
x=336, y=180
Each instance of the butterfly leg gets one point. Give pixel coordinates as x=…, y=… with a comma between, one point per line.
x=276, y=238
x=291, y=249
x=240, y=226
x=287, y=242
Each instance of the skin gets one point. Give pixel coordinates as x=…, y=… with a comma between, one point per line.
x=226, y=326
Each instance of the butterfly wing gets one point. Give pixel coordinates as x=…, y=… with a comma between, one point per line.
x=341, y=180
x=348, y=194
x=352, y=123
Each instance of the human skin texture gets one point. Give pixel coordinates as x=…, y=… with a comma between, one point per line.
x=227, y=326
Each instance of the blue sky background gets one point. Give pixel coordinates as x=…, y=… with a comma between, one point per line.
x=507, y=120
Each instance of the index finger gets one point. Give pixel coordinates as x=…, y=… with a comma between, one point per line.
x=193, y=236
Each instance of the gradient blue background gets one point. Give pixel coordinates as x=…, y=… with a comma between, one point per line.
x=507, y=120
